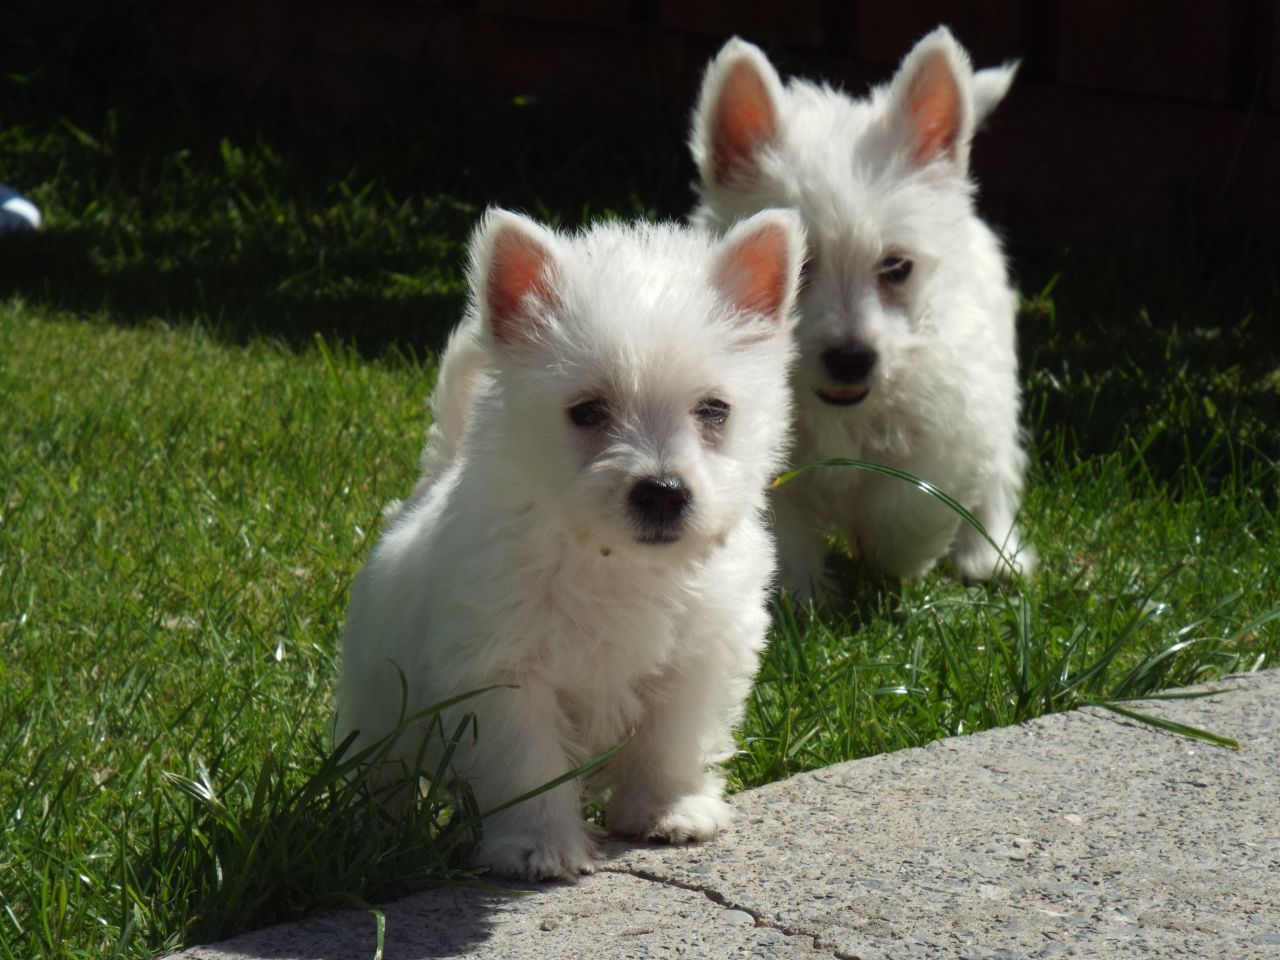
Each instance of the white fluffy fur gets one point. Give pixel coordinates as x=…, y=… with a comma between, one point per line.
x=943, y=400
x=517, y=562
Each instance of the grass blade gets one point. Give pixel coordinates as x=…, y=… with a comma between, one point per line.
x=1172, y=726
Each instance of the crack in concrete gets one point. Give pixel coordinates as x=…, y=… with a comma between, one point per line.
x=853, y=788
x=720, y=900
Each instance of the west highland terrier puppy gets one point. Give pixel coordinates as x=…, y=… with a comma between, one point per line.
x=907, y=352
x=590, y=532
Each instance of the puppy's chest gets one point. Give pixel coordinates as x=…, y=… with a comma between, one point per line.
x=887, y=434
x=594, y=625
x=880, y=439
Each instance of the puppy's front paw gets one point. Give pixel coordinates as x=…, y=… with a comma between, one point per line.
x=538, y=854
x=976, y=561
x=687, y=819
x=692, y=818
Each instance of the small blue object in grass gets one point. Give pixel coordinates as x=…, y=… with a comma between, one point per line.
x=17, y=212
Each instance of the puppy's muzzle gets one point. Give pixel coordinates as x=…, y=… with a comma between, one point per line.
x=659, y=507
x=849, y=365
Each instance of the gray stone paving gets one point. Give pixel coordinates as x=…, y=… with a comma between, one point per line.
x=1078, y=835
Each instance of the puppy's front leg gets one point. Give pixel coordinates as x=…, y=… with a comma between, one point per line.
x=519, y=746
x=664, y=783
x=802, y=545
x=974, y=558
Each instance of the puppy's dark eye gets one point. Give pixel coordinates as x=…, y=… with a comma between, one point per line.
x=712, y=411
x=589, y=413
x=894, y=270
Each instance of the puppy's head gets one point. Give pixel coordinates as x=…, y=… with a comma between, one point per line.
x=882, y=186
x=640, y=373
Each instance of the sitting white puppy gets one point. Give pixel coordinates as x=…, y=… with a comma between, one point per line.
x=906, y=326
x=590, y=530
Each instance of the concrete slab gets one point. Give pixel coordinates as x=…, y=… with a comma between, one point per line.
x=1082, y=834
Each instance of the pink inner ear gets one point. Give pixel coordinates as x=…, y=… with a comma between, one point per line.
x=517, y=268
x=753, y=275
x=744, y=119
x=934, y=105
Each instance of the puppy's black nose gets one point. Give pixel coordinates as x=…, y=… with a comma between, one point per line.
x=659, y=504
x=849, y=362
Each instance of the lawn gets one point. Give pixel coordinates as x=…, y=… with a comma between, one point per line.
x=213, y=372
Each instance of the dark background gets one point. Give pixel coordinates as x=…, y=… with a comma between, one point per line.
x=1127, y=119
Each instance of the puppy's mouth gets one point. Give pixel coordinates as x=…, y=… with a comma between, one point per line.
x=843, y=396
x=657, y=538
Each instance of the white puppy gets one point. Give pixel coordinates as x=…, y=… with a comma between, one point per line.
x=906, y=333
x=590, y=530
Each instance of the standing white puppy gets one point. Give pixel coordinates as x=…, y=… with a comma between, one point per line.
x=591, y=528
x=907, y=318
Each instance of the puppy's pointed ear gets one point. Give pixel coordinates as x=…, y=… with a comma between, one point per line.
x=737, y=115
x=989, y=88
x=930, y=104
x=513, y=270
x=757, y=268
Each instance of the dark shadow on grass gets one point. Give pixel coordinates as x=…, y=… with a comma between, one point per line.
x=1168, y=355
x=236, y=300
x=361, y=240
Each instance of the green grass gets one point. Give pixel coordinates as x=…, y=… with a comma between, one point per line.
x=190, y=478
